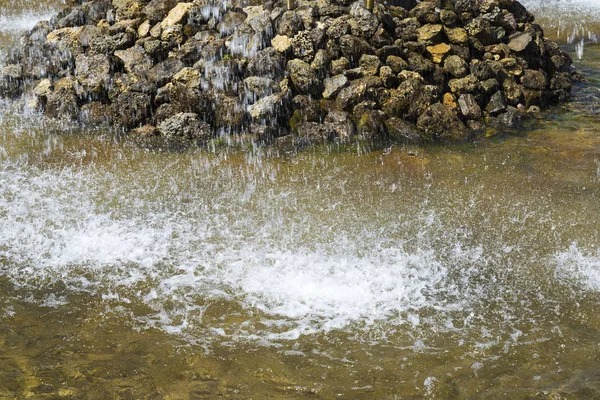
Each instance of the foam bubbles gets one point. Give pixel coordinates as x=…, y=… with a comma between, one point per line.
x=577, y=264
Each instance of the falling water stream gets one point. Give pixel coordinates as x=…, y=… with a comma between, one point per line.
x=467, y=271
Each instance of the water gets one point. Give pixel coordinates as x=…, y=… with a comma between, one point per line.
x=468, y=271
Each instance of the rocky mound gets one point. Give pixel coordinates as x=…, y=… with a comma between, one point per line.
x=326, y=70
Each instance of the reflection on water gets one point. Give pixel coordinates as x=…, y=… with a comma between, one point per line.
x=461, y=272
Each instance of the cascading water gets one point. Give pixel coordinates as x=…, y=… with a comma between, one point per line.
x=465, y=272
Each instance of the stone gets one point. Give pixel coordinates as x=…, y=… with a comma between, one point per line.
x=535, y=80
x=425, y=13
x=468, y=106
x=353, y=47
x=438, y=52
x=176, y=15
x=230, y=22
x=127, y=9
x=164, y=71
x=321, y=61
x=260, y=86
x=430, y=34
x=10, y=80
x=496, y=105
x=351, y=94
x=157, y=10
x=369, y=64
x=144, y=29
x=310, y=132
x=396, y=63
x=439, y=122
x=513, y=92
x=388, y=77
x=519, y=41
x=456, y=67
x=339, y=66
x=135, y=60
x=290, y=24
x=62, y=102
x=146, y=130
x=341, y=124
x=268, y=108
x=402, y=131
x=457, y=35
x=131, y=109
x=304, y=78
x=333, y=85
x=468, y=84
x=94, y=73
x=302, y=47
x=186, y=125
x=281, y=43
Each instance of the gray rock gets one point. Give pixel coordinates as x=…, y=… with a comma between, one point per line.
x=353, y=47
x=535, y=80
x=439, y=122
x=341, y=123
x=164, y=71
x=135, y=60
x=333, y=85
x=157, y=10
x=260, y=86
x=187, y=125
x=351, y=94
x=397, y=64
x=131, y=109
x=456, y=67
x=304, y=78
x=94, y=73
x=468, y=84
x=339, y=66
x=62, y=102
x=402, y=131
x=469, y=107
x=389, y=78
x=496, y=105
x=369, y=64
x=303, y=47
x=519, y=41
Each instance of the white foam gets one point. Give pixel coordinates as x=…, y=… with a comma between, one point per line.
x=579, y=265
x=23, y=22
x=56, y=227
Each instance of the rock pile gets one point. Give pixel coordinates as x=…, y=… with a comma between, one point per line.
x=329, y=69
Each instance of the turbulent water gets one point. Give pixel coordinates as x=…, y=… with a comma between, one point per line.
x=470, y=271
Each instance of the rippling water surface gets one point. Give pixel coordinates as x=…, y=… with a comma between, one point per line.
x=468, y=271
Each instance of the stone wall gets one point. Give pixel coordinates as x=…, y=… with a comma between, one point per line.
x=327, y=70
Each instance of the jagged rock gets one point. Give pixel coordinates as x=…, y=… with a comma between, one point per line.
x=457, y=35
x=468, y=84
x=135, y=60
x=157, y=10
x=186, y=125
x=402, y=131
x=290, y=24
x=62, y=101
x=176, y=15
x=469, y=107
x=10, y=77
x=268, y=108
x=304, y=78
x=351, y=94
x=371, y=125
x=388, y=77
x=496, y=105
x=430, y=34
x=131, y=109
x=369, y=64
x=127, y=9
x=520, y=41
x=456, y=67
x=230, y=22
x=396, y=63
x=281, y=43
x=93, y=73
x=339, y=66
x=260, y=86
x=353, y=47
x=321, y=61
x=302, y=46
x=425, y=13
x=438, y=52
x=163, y=72
x=535, y=80
x=314, y=133
x=333, y=85
x=341, y=123
x=513, y=92
x=439, y=122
